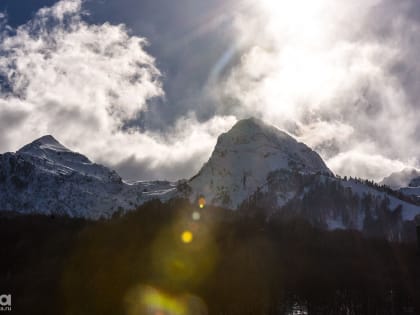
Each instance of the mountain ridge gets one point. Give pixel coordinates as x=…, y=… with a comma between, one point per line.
x=46, y=177
x=253, y=165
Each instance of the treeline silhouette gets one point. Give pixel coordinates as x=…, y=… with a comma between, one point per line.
x=237, y=263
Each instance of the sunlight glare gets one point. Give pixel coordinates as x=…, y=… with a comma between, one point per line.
x=187, y=237
x=202, y=202
x=298, y=17
x=296, y=60
x=147, y=300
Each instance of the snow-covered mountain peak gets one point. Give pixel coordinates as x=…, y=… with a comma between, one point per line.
x=48, y=148
x=51, y=156
x=250, y=126
x=46, y=177
x=44, y=143
x=253, y=130
x=245, y=156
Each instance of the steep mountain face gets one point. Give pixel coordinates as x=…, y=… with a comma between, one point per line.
x=257, y=166
x=243, y=159
x=46, y=177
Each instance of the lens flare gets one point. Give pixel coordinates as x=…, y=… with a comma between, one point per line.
x=184, y=253
x=187, y=237
x=196, y=216
x=146, y=300
x=202, y=202
x=163, y=303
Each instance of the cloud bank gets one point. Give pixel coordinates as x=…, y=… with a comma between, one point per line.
x=341, y=76
x=82, y=83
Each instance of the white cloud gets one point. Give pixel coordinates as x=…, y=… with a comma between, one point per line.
x=61, y=9
x=339, y=75
x=361, y=164
x=81, y=83
x=180, y=152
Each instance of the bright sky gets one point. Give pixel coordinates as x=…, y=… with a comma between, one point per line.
x=150, y=98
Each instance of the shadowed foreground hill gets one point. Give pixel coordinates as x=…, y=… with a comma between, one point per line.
x=160, y=259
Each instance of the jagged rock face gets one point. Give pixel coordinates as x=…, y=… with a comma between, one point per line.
x=46, y=177
x=245, y=156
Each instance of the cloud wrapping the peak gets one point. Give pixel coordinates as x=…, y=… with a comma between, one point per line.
x=341, y=76
x=82, y=82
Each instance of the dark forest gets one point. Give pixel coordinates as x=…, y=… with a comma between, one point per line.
x=233, y=263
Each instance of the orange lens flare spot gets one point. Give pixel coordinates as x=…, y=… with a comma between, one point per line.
x=202, y=202
x=187, y=237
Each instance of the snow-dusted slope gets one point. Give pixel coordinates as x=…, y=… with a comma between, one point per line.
x=46, y=177
x=245, y=156
x=376, y=212
x=408, y=211
x=335, y=203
